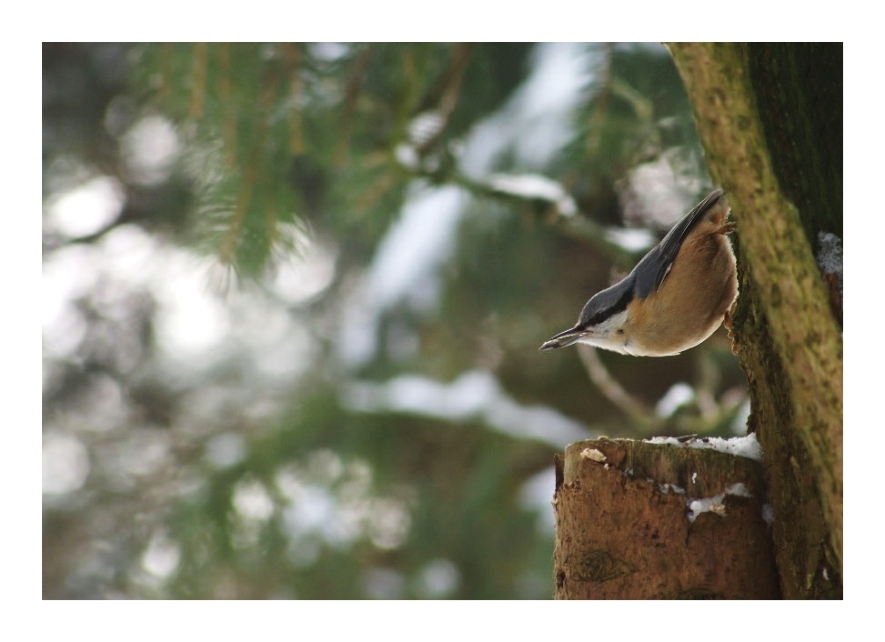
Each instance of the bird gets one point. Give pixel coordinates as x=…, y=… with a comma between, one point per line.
x=675, y=297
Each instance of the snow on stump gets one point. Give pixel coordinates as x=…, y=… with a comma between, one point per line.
x=662, y=519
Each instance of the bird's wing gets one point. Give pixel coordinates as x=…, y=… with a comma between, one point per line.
x=651, y=271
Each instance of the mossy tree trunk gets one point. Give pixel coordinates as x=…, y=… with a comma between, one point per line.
x=770, y=119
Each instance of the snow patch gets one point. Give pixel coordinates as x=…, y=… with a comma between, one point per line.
x=747, y=446
x=715, y=503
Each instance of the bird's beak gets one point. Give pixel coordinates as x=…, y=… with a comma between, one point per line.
x=564, y=339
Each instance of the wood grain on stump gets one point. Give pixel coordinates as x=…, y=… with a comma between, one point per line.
x=625, y=528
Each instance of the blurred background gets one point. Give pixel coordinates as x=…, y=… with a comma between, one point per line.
x=293, y=297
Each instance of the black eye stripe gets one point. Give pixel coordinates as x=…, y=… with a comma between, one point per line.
x=620, y=304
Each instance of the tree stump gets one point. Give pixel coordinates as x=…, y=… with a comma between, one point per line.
x=643, y=520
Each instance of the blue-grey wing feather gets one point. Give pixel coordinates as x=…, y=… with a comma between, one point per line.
x=650, y=272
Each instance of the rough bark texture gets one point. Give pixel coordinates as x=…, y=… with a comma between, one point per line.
x=769, y=117
x=623, y=529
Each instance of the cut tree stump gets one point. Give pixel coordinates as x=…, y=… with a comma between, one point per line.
x=642, y=520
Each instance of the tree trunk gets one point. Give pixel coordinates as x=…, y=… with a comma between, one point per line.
x=770, y=119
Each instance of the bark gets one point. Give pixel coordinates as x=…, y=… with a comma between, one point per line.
x=769, y=117
x=624, y=529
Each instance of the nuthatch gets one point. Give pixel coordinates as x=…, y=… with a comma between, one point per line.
x=674, y=298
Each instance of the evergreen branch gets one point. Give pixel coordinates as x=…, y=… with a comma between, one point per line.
x=351, y=94
x=225, y=91
x=449, y=92
x=198, y=89
x=166, y=55
x=252, y=170
x=293, y=65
